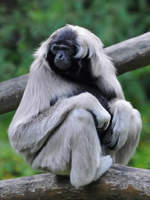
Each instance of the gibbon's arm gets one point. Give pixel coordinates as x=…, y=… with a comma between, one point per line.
x=126, y=121
x=35, y=121
x=126, y=126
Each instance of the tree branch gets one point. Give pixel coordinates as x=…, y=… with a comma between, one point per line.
x=120, y=182
x=11, y=92
x=127, y=55
x=130, y=54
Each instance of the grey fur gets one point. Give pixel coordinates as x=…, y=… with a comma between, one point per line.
x=62, y=138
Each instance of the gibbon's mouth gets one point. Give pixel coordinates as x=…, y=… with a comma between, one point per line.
x=62, y=66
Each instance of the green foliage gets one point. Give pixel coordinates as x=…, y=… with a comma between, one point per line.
x=11, y=164
x=24, y=24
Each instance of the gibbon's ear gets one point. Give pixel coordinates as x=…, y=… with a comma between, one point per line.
x=89, y=44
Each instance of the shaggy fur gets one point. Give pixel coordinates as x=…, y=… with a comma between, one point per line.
x=53, y=127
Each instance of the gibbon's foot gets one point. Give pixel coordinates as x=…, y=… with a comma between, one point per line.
x=106, y=163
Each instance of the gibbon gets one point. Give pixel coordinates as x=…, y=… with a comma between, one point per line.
x=73, y=118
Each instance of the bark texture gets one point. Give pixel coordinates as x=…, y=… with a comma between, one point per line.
x=119, y=183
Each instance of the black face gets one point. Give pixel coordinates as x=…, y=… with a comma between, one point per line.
x=61, y=57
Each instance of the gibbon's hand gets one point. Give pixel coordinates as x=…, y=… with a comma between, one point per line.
x=120, y=126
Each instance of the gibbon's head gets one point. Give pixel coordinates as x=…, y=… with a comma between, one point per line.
x=75, y=52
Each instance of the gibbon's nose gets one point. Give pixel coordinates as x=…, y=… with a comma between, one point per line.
x=60, y=57
x=61, y=61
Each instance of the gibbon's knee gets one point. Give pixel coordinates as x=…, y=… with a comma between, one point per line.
x=82, y=128
x=81, y=115
x=81, y=124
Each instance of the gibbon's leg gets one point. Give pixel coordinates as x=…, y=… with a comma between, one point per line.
x=123, y=155
x=87, y=163
x=75, y=148
x=126, y=126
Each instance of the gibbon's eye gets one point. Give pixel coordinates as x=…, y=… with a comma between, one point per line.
x=54, y=48
x=62, y=47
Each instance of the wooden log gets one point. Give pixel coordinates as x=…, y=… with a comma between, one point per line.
x=130, y=54
x=127, y=55
x=11, y=92
x=119, y=183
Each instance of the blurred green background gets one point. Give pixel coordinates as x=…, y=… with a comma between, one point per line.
x=24, y=24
